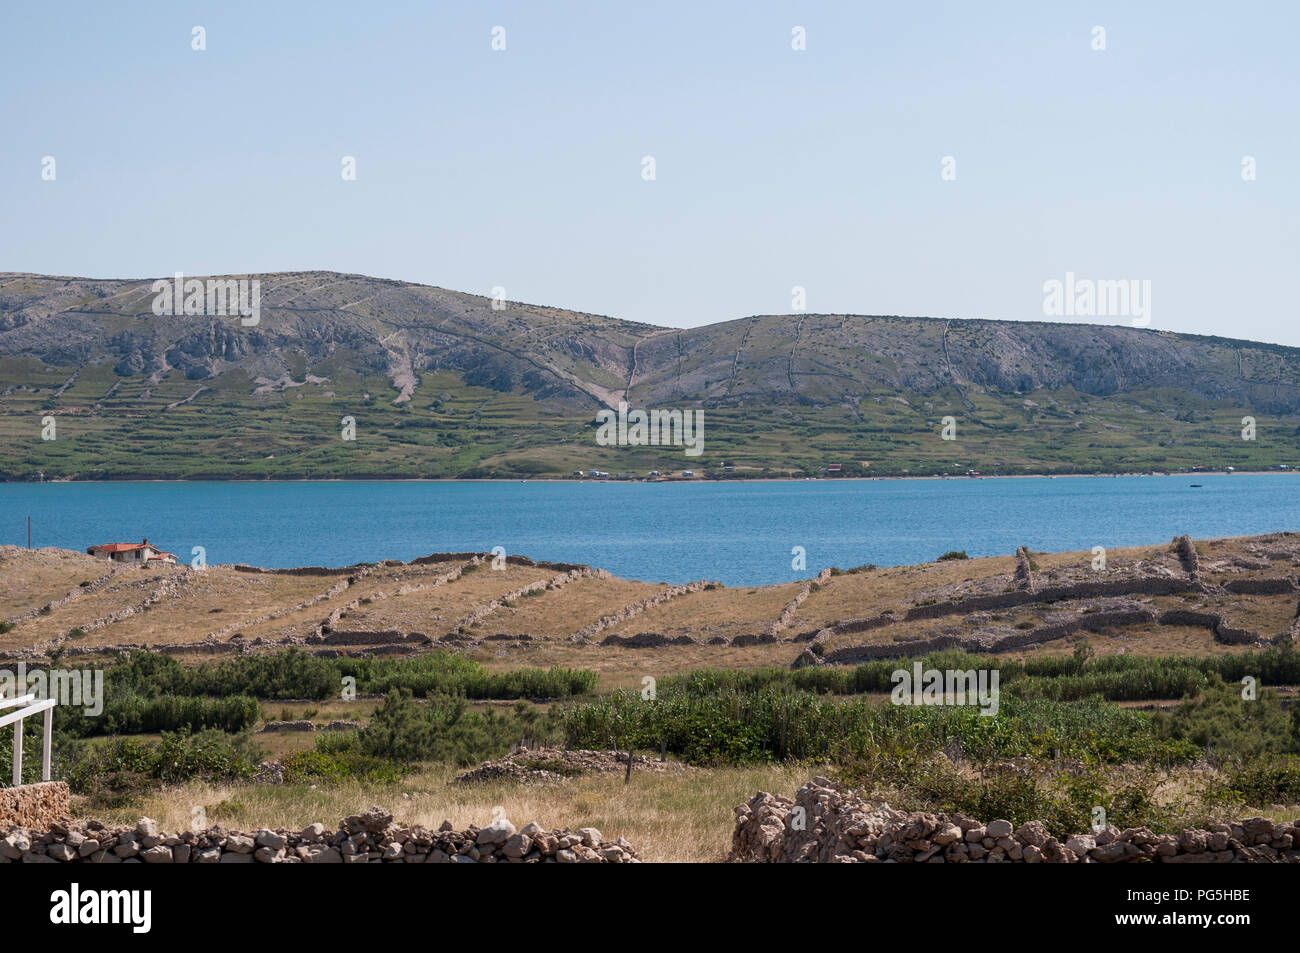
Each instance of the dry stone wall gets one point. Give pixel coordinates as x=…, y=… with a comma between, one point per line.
x=481, y=612
x=1261, y=587
x=110, y=578
x=371, y=837
x=297, y=570
x=827, y=824
x=646, y=640
x=1143, y=586
x=303, y=724
x=168, y=589
x=556, y=765
x=787, y=615
x=636, y=608
x=33, y=805
x=1091, y=622
x=479, y=557
x=332, y=592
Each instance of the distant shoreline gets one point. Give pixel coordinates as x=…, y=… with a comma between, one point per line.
x=667, y=480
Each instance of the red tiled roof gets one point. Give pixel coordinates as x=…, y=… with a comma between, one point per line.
x=125, y=548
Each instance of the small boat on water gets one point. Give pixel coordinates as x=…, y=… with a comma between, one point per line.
x=1196, y=484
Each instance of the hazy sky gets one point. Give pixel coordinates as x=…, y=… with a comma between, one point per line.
x=773, y=167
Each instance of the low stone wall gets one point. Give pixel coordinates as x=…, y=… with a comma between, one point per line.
x=1261, y=587
x=446, y=558
x=371, y=837
x=369, y=651
x=33, y=805
x=275, y=727
x=782, y=622
x=1191, y=617
x=582, y=568
x=305, y=725
x=853, y=626
x=1102, y=588
x=634, y=609
x=825, y=824
x=297, y=570
x=1230, y=635
x=647, y=640
x=747, y=639
x=481, y=612
x=373, y=637
x=557, y=765
x=1218, y=626
x=205, y=647
x=1091, y=622
x=853, y=654
x=168, y=589
x=512, y=560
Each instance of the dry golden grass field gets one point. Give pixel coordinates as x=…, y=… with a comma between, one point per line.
x=668, y=817
x=54, y=599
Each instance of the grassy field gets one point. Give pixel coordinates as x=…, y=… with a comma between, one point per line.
x=667, y=817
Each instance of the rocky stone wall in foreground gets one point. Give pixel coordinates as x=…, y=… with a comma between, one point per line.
x=371, y=837
x=826, y=824
x=33, y=805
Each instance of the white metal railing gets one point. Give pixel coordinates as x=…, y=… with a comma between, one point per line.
x=28, y=705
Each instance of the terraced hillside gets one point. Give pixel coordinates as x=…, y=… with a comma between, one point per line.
x=443, y=384
x=1181, y=598
x=476, y=689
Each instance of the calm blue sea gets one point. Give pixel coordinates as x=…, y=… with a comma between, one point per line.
x=738, y=533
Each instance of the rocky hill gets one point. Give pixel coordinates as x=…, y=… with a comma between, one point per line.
x=442, y=383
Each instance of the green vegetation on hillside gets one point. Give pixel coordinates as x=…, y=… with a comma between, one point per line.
x=440, y=384
x=476, y=433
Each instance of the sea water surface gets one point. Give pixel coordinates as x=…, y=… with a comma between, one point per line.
x=739, y=533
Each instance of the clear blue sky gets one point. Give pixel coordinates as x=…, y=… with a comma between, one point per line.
x=774, y=167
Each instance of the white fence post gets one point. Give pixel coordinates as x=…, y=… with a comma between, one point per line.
x=25, y=706
x=47, y=736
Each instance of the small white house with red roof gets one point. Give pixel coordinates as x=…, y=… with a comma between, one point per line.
x=143, y=552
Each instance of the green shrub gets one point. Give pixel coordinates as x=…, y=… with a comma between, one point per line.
x=773, y=723
x=120, y=766
x=333, y=767
x=444, y=728
x=1230, y=729
x=1262, y=782
x=295, y=674
x=126, y=713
